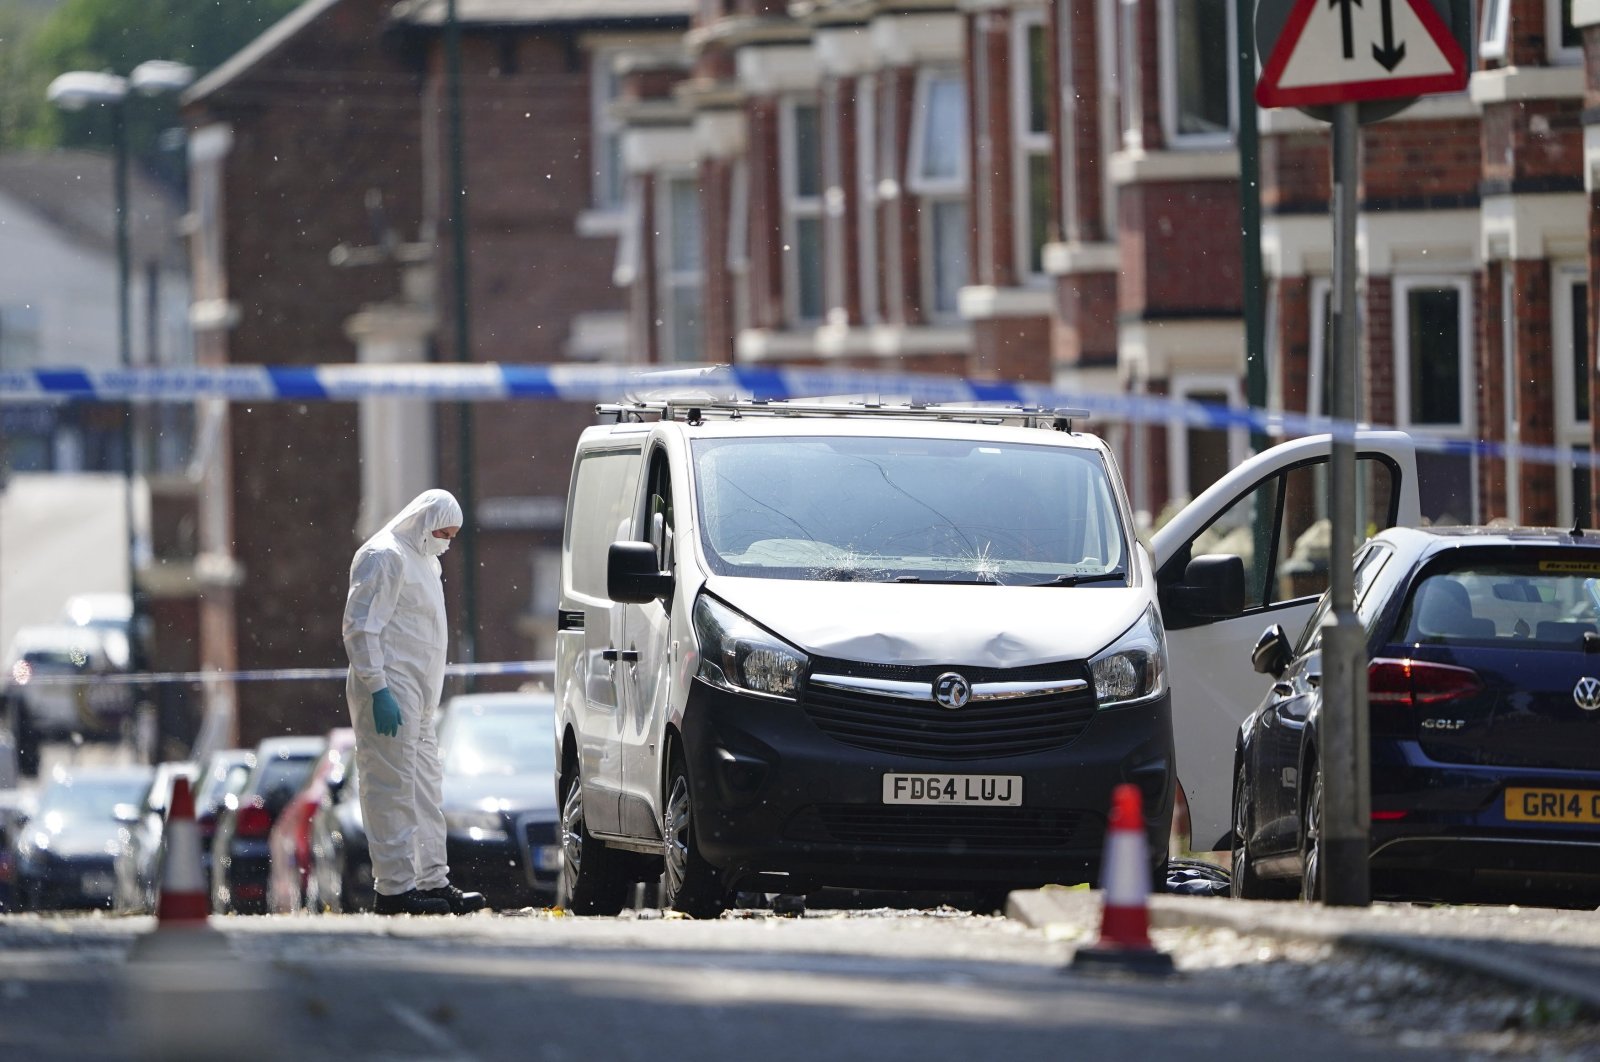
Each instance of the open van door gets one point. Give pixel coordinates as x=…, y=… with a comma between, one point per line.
x=1271, y=512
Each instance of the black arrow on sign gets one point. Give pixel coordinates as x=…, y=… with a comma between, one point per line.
x=1391, y=54
x=1344, y=23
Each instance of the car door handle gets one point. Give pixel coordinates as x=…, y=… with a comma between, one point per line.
x=630, y=656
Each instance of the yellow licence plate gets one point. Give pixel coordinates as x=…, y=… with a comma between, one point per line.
x=1553, y=805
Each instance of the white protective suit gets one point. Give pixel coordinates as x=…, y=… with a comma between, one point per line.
x=395, y=634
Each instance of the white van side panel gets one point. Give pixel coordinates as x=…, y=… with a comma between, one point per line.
x=599, y=512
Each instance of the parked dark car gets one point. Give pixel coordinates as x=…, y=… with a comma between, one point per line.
x=290, y=840
x=137, y=862
x=1484, y=690
x=64, y=850
x=500, y=809
x=222, y=774
x=341, y=870
x=239, y=851
x=500, y=813
x=15, y=807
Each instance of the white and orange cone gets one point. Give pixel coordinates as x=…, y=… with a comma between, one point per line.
x=1125, y=881
x=183, y=902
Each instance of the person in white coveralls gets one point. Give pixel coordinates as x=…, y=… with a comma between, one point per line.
x=395, y=634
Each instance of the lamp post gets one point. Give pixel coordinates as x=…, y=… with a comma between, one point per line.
x=75, y=91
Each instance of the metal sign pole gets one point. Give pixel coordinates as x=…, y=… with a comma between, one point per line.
x=1346, y=788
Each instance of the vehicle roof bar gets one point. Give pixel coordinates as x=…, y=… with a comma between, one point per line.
x=694, y=410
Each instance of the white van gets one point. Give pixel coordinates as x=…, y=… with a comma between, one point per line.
x=881, y=647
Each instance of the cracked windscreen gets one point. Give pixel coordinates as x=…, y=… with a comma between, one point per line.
x=866, y=509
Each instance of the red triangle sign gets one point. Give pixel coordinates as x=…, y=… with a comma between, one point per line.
x=1345, y=51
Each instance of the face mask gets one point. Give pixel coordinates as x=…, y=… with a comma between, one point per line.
x=434, y=547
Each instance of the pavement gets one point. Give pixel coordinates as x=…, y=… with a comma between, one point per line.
x=1550, y=951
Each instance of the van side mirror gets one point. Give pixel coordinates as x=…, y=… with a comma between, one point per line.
x=634, y=575
x=1272, y=652
x=1212, y=587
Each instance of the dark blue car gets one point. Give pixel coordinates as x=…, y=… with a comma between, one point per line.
x=1484, y=691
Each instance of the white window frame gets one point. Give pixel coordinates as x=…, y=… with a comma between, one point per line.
x=797, y=207
x=1317, y=359
x=1495, y=29
x=1026, y=144
x=1508, y=381
x=835, y=254
x=1167, y=20
x=668, y=279
x=1572, y=434
x=1558, y=55
x=1181, y=387
x=738, y=249
x=1403, y=286
x=867, y=194
x=936, y=190
x=1130, y=105
x=604, y=85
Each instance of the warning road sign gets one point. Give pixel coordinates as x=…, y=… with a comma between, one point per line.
x=1343, y=51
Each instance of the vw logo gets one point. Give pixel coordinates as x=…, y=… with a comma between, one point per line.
x=954, y=691
x=1587, y=693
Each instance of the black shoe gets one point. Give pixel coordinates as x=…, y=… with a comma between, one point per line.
x=411, y=903
x=458, y=901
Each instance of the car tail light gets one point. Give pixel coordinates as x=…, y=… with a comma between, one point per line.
x=1388, y=816
x=1417, y=683
x=253, y=820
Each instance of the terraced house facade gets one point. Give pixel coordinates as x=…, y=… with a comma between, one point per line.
x=1050, y=190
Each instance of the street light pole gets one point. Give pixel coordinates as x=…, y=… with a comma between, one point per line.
x=74, y=91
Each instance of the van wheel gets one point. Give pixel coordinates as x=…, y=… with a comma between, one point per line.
x=591, y=882
x=691, y=885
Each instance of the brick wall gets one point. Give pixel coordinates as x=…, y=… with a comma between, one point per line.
x=1085, y=322
x=1420, y=164
x=1296, y=173
x=1491, y=405
x=1293, y=295
x=1530, y=287
x=1081, y=120
x=716, y=181
x=1378, y=404
x=1011, y=348
x=1180, y=249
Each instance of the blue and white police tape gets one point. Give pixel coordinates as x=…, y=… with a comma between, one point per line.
x=616, y=383
x=23, y=676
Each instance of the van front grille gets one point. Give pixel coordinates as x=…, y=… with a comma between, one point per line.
x=924, y=729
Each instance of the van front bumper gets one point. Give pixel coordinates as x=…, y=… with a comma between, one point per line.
x=781, y=804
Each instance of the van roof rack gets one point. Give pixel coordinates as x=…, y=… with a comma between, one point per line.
x=695, y=410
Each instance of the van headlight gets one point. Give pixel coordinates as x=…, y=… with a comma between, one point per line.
x=1132, y=669
x=476, y=824
x=739, y=656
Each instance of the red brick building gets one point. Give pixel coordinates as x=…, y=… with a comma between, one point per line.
x=1050, y=191
x=321, y=235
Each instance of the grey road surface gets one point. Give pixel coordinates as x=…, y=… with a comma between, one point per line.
x=875, y=986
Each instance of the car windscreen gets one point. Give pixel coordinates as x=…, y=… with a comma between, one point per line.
x=280, y=777
x=909, y=510
x=89, y=798
x=478, y=743
x=1543, y=600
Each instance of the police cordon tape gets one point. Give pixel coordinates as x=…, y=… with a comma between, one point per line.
x=535, y=668
x=616, y=383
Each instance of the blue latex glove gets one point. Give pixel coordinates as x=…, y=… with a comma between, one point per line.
x=385, y=713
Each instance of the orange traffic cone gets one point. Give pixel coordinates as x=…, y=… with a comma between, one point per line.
x=1125, y=881
x=184, y=902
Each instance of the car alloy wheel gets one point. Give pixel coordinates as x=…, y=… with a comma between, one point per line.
x=1311, y=842
x=1244, y=882
x=571, y=838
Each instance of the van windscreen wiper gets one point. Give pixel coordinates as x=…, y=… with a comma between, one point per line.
x=1078, y=580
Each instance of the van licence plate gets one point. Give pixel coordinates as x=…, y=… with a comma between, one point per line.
x=1553, y=805
x=996, y=790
